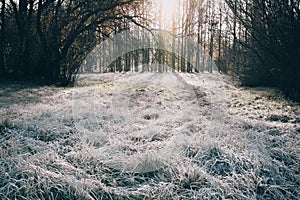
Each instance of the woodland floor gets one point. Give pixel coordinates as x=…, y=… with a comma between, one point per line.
x=148, y=136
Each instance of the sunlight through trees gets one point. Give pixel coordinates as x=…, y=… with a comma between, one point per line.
x=255, y=41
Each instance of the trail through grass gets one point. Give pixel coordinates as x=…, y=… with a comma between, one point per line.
x=148, y=136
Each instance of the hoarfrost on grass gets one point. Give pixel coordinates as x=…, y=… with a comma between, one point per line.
x=148, y=136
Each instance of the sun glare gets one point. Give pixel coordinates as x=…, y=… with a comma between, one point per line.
x=167, y=10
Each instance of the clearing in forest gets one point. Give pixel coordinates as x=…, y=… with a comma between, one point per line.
x=148, y=136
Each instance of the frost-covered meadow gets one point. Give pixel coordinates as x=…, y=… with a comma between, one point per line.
x=148, y=136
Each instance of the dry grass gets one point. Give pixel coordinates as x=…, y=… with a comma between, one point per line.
x=157, y=145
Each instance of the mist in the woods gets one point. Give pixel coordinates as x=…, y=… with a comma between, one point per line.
x=149, y=99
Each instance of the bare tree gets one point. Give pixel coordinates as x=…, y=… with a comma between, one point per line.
x=2, y=37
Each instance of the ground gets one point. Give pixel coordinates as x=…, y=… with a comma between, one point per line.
x=148, y=136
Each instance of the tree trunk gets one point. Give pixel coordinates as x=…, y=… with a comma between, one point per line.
x=220, y=63
x=198, y=45
x=173, y=56
x=2, y=38
x=136, y=60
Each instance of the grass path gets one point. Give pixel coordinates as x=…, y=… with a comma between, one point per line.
x=148, y=136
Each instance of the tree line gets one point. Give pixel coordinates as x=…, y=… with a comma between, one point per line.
x=48, y=39
x=256, y=41
x=269, y=42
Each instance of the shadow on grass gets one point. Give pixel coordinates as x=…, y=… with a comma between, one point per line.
x=21, y=93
